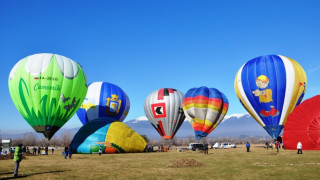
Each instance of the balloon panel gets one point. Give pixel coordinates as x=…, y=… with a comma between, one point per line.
x=112, y=136
x=163, y=109
x=104, y=100
x=47, y=89
x=304, y=125
x=205, y=108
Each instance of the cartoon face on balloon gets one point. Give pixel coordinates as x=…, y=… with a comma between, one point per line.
x=262, y=81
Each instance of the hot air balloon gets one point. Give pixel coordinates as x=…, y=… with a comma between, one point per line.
x=205, y=108
x=163, y=109
x=303, y=125
x=270, y=87
x=112, y=136
x=47, y=89
x=104, y=100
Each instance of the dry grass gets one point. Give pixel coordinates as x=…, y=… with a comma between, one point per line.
x=219, y=164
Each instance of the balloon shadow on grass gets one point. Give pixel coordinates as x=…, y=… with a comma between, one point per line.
x=27, y=175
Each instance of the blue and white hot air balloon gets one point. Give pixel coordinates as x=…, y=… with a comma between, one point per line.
x=270, y=87
x=104, y=100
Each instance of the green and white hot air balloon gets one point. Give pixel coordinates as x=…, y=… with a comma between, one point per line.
x=47, y=89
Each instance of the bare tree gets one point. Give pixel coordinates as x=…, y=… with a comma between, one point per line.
x=55, y=141
x=66, y=138
x=29, y=139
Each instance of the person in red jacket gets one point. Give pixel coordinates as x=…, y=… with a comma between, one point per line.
x=277, y=144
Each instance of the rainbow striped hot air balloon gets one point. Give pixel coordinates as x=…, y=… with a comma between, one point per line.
x=270, y=87
x=205, y=108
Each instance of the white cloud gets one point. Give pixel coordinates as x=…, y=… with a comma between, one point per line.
x=315, y=69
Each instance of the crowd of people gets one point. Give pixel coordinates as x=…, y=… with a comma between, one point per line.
x=44, y=150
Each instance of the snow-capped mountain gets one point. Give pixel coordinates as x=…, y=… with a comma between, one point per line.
x=232, y=126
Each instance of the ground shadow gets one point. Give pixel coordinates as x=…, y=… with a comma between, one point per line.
x=27, y=175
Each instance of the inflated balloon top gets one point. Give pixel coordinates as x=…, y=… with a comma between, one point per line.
x=163, y=109
x=109, y=135
x=205, y=108
x=270, y=87
x=303, y=126
x=47, y=89
x=104, y=100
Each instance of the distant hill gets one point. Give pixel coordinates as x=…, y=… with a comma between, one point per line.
x=234, y=125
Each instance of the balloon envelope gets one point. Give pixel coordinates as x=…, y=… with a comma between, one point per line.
x=269, y=87
x=303, y=125
x=47, y=89
x=205, y=108
x=104, y=100
x=112, y=136
x=163, y=109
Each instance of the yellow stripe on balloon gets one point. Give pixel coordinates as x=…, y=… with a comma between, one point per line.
x=300, y=77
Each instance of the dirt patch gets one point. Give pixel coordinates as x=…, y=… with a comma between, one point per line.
x=186, y=163
x=10, y=156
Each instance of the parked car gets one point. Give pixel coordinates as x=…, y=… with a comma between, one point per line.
x=228, y=145
x=215, y=145
x=196, y=146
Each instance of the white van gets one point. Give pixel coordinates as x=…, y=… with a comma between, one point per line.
x=215, y=145
x=227, y=145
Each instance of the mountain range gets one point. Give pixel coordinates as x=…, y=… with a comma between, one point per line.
x=232, y=126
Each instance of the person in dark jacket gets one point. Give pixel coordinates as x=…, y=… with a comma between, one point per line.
x=66, y=151
x=70, y=151
x=206, y=149
x=248, y=146
x=267, y=145
x=17, y=159
x=39, y=150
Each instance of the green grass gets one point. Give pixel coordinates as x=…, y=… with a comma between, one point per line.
x=219, y=164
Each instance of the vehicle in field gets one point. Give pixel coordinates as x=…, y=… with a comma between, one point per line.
x=215, y=145
x=196, y=146
x=228, y=145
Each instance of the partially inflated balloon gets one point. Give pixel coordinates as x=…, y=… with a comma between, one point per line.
x=304, y=125
x=47, y=89
x=112, y=136
x=270, y=87
x=163, y=109
x=205, y=108
x=104, y=100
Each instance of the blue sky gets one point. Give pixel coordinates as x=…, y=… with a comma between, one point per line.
x=145, y=45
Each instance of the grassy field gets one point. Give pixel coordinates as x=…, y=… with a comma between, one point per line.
x=219, y=164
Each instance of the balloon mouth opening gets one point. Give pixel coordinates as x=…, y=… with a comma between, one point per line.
x=47, y=131
x=167, y=137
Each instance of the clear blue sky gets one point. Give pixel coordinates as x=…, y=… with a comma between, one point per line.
x=145, y=45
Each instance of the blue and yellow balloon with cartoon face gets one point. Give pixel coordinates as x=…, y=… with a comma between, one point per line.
x=270, y=87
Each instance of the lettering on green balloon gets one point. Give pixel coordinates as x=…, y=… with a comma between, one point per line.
x=39, y=87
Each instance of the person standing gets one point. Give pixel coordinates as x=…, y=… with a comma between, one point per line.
x=206, y=149
x=70, y=151
x=34, y=150
x=66, y=151
x=52, y=150
x=46, y=150
x=299, y=147
x=100, y=151
x=17, y=159
x=39, y=150
x=267, y=145
x=277, y=144
x=248, y=146
x=0, y=150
